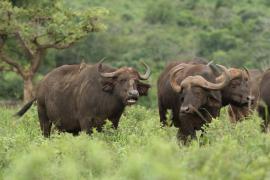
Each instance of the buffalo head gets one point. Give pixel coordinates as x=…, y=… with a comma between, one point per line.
x=125, y=83
x=197, y=86
x=238, y=90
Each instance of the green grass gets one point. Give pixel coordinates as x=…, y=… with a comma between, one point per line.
x=139, y=149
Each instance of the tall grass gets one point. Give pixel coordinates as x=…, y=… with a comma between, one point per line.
x=139, y=149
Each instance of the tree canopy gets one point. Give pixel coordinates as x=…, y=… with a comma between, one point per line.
x=27, y=32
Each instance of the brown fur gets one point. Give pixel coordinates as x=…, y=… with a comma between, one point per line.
x=238, y=90
x=238, y=113
x=76, y=98
x=208, y=102
x=264, y=101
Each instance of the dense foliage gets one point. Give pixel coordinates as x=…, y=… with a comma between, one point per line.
x=139, y=149
x=230, y=32
x=28, y=31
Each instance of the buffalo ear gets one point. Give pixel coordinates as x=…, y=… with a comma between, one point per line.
x=214, y=99
x=143, y=88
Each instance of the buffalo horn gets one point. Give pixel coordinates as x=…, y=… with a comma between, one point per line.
x=107, y=74
x=222, y=81
x=147, y=73
x=198, y=80
x=246, y=71
x=176, y=87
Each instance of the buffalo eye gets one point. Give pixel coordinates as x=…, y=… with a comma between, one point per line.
x=182, y=99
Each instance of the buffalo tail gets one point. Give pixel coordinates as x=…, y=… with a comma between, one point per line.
x=25, y=108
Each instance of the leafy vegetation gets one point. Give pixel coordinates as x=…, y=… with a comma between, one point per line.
x=234, y=33
x=139, y=149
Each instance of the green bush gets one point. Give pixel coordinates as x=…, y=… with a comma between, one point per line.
x=11, y=86
x=217, y=40
x=138, y=149
x=160, y=12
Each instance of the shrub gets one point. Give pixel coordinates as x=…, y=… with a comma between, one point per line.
x=160, y=12
x=138, y=149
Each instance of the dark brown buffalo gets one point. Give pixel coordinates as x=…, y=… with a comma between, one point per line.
x=237, y=113
x=81, y=97
x=192, y=92
x=195, y=103
x=237, y=92
x=264, y=102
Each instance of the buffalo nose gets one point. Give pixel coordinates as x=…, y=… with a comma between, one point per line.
x=133, y=93
x=184, y=109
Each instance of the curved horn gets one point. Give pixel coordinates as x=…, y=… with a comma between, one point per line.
x=209, y=63
x=225, y=76
x=214, y=68
x=101, y=61
x=246, y=71
x=107, y=75
x=222, y=80
x=176, y=87
x=147, y=73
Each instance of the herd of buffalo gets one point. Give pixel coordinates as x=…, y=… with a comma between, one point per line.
x=81, y=97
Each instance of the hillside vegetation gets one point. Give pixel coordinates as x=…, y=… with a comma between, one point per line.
x=234, y=33
x=139, y=149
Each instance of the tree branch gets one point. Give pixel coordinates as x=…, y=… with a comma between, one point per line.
x=51, y=45
x=36, y=60
x=26, y=49
x=12, y=63
x=58, y=46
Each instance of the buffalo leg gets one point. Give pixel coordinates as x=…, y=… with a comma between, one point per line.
x=115, y=120
x=184, y=136
x=115, y=123
x=264, y=114
x=185, y=131
x=175, y=118
x=162, y=114
x=85, y=124
x=45, y=123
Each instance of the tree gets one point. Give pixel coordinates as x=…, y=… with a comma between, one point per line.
x=27, y=32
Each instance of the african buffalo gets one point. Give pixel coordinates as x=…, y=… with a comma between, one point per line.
x=195, y=92
x=192, y=92
x=237, y=113
x=81, y=97
x=264, y=102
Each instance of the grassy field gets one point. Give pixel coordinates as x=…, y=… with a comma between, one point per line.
x=139, y=149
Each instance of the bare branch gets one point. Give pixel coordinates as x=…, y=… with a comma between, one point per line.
x=26, y=49
x=36, y=60
x=12, y=63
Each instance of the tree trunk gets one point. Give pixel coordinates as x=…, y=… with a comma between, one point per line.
x=28, y=89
